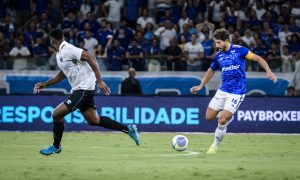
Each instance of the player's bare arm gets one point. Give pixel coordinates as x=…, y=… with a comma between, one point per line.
x=40, y=85
x=266, y=67
x=208, y=75
x=91, y=60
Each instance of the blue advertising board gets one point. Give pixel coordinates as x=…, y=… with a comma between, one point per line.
x=23, y=84
x=153, y=114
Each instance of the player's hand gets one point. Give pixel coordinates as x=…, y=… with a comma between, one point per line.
x=38, y=86
x=272, y=77
x=103, y=87
x=195, y=89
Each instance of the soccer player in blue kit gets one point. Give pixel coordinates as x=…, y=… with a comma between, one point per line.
x=231, y=61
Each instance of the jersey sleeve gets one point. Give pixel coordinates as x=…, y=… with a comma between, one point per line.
x=245, y=53
x=76, y=53
x=215, y=65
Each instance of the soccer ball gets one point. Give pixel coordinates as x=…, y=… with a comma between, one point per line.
x=180, y=142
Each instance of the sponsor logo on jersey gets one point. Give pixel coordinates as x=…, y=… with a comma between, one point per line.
x=230, y=68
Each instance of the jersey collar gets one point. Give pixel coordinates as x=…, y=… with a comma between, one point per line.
x=62, y=45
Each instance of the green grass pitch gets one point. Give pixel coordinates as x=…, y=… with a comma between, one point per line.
x=115, y=156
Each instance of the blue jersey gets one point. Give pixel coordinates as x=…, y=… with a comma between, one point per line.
x=232, y=65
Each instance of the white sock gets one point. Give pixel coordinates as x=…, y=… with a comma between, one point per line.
x=219, y=134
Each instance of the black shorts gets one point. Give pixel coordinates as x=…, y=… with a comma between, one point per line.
x=80, y=99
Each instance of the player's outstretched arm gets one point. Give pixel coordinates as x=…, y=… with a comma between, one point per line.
x=266, y=67
x=208, y=75
x=40, y=85
x=91, y=60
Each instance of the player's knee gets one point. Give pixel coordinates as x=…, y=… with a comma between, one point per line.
x=56, y=116
x=223, y=121
x=93, y=123
x=209, y=117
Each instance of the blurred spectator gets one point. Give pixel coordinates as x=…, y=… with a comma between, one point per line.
x=130, y=85
x=145, y=18
x=195, y=53
x=154, y=56
x=294, y=44
x=7, y=27
x=269, y=37
x=40, y=6
x=165, y=34
x=274, y=58
x=32, y=34
x=40, y=54
x=208, y=46
x=135, y=56
x=69, y=6
x=115, y=55
x=148, y=32
x=185, y=33
x=204, y=27
x=287, y=59
x=21, y=9
x=86, y=7
x=101, y=57
x=90, y=42
x=285, y=12
x=173, y=55
x=70, y=23
x=259, y=49
x=161, y=7
x=44, y=23
x=70, y=37
x=54, y=13
x=191, y=9
x=259, y=9
x=167, y=15
x=176, y=11
x=93, y=23
x=230, y=17
x=248, y=37
x=19, y=55
x=122, y=38
x=291, y=91
x=295, y=12
x=238, y=12
x=4, y=50
x=183, y=20
x=114, y=15
x=216, y=10
x=151, y=7
x=131, y=12
x=104, y=33
x=254, y=22
x=284, y=35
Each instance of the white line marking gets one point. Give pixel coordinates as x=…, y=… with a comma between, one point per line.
x=187, y=153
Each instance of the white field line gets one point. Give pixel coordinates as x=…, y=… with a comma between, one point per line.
x=183, y=153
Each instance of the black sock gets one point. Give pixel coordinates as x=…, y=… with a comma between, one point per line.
x=108, y=123
x=58, y=129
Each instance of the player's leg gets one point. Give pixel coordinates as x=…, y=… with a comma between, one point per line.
x=58, y=128
x=211, y=114
x=93, y=119
x=222, y=127
x=213, y=111
x=230, y=107
x=58, y=123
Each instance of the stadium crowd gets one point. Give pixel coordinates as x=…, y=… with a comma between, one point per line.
x=149, y=35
